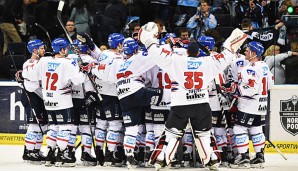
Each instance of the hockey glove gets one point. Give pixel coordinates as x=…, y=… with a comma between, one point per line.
x=229, y=88
x=235, y=40
x=85, y=38
x=86, y=67
x=19, y=77
x=91, y=97
x=148, y=34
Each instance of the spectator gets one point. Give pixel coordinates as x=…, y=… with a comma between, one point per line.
x=71, y=30
x=134, y=29
x=291, y=65
x=205, y=20
x=103, y=47
x=114, y=18
x=161, y=27
x=255, y=14
x=186, y=9
x=217, y=38
x=241, y=9
x=273, y=58
x=11, y=14
x=160, y=9
x=81, y=16
x=183, y=34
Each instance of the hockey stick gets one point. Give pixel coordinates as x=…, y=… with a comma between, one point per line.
x=59, y=12
x=276, y=149
x=26, y=93
x=43, y=29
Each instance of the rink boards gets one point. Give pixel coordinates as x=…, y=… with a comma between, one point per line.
x=282, y=127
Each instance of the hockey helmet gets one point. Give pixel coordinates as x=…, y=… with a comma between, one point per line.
x=114, y=40
x=34, y=44
x=81, y=46
x=130, y=46
x=58, y=44
x=256, y=47
x=207, y=41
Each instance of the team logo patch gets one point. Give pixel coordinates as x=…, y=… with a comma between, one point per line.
x=251, y=73
x=240, y=63
x=52, y=66
x=289, y=115
x=193, y=64
x=102, y=57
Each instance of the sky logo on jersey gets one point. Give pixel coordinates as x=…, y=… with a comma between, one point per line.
x=124, y=66
x=52, y=66
x=265, y=71
x=193, y=64
x=102, y=57
x=251, y=72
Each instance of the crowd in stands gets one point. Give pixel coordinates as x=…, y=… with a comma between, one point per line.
x=186, y=18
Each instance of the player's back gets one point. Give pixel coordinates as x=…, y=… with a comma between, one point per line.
x=56, y=75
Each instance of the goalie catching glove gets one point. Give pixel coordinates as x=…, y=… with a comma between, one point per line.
x=85, y=38
x=148, y=34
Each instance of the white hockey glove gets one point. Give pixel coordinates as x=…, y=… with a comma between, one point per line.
x=148, y=34
x=235, y=40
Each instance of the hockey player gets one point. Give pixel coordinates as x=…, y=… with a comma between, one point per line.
x=131, y=91
x=85, y=102
x=57, y=74
x=33, y=103
x=189, y=98
x=254, y=82
x=219, y=105
x=109, y=126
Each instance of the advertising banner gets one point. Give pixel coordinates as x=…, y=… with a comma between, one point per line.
x=12, y=112
x=284, y=117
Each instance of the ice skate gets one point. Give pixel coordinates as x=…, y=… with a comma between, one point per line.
x=241, y=161
x=258, y=161
x=65, y=159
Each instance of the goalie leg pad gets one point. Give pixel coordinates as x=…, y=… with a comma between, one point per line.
x=202, y=141
x=167, y=146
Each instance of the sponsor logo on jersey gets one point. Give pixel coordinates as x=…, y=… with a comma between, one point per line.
x=102, y=57
x=151, y=137
x=193, y=64
x=71, y=140
x=52, y=66
x=89, y=140
x=123, y=91
x=240, y=63
x=251, y=72
x=51, y=104
x=124, y=66
x=265, y=70
x=289, y=115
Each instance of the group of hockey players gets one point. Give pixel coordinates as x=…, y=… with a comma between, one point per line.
x=133, y=105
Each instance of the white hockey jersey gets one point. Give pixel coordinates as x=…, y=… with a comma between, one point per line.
x=190, y=76
x=126, y=74
x=106, y=58
x=78, y=90
x=29, y=71
x=236, y=66
x=254, y=83
x=57, y=75
x=160, y=79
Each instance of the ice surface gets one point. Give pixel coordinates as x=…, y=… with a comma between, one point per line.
x=11, y=160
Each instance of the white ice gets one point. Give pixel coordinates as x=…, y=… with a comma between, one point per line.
x=11, y=160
